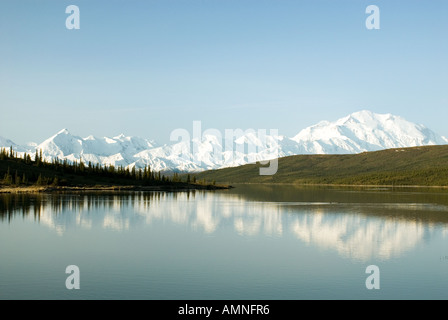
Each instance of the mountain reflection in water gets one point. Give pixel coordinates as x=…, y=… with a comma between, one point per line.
x=359, y=230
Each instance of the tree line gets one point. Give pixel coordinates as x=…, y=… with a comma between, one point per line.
x=38, y=174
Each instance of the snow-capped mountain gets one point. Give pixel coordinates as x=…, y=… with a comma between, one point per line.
x=6, y=143
x=358, y=132
x=118, y=151
x=364, y=131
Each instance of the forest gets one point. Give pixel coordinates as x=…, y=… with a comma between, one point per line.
x=34, y=170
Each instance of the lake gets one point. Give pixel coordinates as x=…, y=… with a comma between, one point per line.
x=251, y=242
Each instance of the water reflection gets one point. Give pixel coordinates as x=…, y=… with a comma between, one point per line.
x=356, y=230
x=360, y=237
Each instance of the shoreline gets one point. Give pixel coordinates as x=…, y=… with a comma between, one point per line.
x=168, y=188
x=339, y=185
x=50, y=189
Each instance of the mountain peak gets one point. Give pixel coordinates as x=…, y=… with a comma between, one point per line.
x=363, y=113
x=365, y=131
x=63, y=131
x=357, y=132
x=362, y=116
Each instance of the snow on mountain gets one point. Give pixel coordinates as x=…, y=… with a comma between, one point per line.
x=7, y=144
x=364, y=131
x=116, y=151
x=358, y=132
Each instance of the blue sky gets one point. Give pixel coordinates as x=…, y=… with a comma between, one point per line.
x=145, y=68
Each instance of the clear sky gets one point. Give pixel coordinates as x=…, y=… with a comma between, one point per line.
x=145, y=68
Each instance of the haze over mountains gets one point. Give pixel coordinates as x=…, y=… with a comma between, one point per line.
x=358, y=132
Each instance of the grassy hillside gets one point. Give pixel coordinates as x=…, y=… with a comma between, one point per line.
x=425, y=166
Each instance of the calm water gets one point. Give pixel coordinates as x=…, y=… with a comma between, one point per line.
x=251, y=242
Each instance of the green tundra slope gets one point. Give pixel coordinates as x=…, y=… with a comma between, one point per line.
x=423, y=166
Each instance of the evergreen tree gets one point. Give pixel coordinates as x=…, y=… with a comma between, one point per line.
x=140, y=174
x=39, y=181
x=7, y=179
x=17, y=179
x=55, y=181
x=36, y=158
x=133, y=173
x=150, y=176
x=68, y=169
x=81, y=165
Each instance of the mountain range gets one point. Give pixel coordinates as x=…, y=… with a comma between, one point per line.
x=358, y=132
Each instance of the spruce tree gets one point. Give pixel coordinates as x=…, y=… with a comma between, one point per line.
x=133, y=173
x=140, y=174
x=55, y=181
x=36, y=158
x=81, y=164
x=7, y=179
x=17, y=179
x=39, y=181
x=150, y=173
